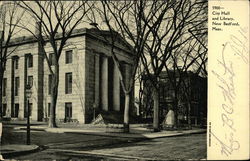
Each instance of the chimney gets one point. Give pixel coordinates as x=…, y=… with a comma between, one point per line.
x=38, y=33
x=94, y=25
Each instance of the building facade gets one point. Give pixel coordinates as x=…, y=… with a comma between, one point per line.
x=88, y=78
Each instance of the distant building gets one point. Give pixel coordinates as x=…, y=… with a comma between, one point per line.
x=196, y=88
x=88, y=76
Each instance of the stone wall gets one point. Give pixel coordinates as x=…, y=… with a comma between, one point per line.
x=77, y=97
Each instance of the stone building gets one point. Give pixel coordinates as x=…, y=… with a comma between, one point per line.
x=87, y=74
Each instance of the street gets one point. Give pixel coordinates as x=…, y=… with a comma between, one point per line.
x=67, y=146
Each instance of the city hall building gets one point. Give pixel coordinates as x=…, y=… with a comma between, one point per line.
x=88, y=78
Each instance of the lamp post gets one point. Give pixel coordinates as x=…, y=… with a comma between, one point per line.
x=28, y=94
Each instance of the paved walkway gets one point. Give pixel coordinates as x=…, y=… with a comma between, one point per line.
x=15, y=149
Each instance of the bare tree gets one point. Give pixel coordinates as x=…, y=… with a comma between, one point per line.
x=57, y=19
x=191, y=56
x=168, y=34
x=9, y=18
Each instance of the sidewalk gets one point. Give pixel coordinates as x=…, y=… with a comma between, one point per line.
x=15, y=149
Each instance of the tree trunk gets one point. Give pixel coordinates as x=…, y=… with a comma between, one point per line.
x=54, y=94
x=176, y=124
x=126, y=113
x=156, y=124
x=1, y=93
x=189, y=115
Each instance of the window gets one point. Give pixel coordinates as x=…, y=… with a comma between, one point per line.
x=52, y=58
x=4, y=86
x=26, y=110
x=68, y=57
x=30, y=107
x=68, y=83
x=30, y=60
x=68, y=111
x=30, y=80
x=49, y=109
x=17, y=86
x=15, y=59
x=49, y=84
x=14, y=112
x=4, y=109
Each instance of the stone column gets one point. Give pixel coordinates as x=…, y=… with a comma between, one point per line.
x=116, y=89
x=8, y=74
x=22, y=74
x=35, y=100
x=104, y=83
x=97, y=80
x=12, y=86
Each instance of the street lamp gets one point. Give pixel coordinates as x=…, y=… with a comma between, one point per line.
x=28, y=94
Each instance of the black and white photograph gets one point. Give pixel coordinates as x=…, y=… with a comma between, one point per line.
x=104, y=80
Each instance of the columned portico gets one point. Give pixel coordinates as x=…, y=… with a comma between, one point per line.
x=109, y=84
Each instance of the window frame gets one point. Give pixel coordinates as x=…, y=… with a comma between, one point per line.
x=16, y=62
x=68, y=110
x=49, y=106
x=52, y=59
x=4, y=86
x=4, y=111
x=69, y=57
x=30, y=61
x=30, y=80
x=68, y=83
x=17, y=86
x=16, y=112
x=49, y=83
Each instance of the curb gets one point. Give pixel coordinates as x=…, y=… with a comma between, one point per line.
x=136, y=136
x=8, y=155
x=116, y=134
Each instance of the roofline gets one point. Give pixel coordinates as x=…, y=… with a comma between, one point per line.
x=76, y=33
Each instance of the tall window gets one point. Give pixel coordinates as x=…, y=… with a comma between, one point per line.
x=49, y=109
x=52, y=58
x=16, y=59
x=30, y=107
x=14, y=113
x=4, y=109
x=4, y=86
x=26, y=110
x=68, y=110
x=17, y=83
x=30, y=80
x=68, y=83
x=68, y=57
x=30, y=60
x=49, y=84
